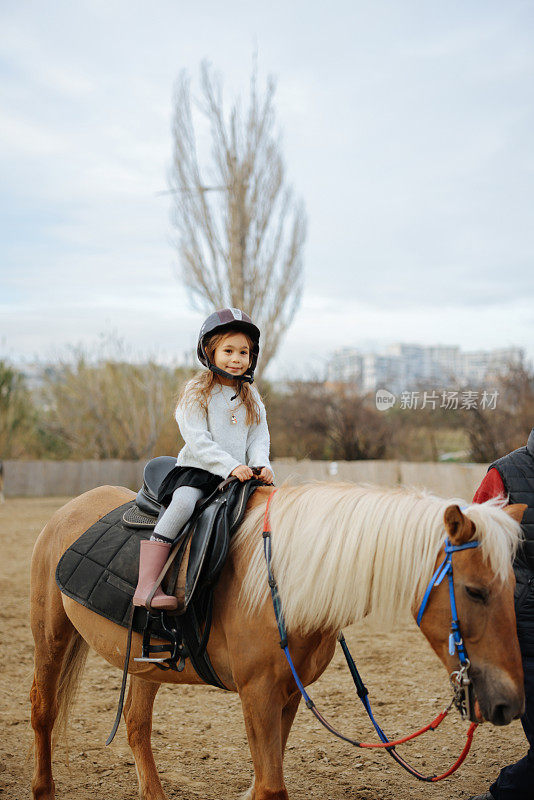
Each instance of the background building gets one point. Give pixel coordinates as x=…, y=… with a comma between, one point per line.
x=401, y=367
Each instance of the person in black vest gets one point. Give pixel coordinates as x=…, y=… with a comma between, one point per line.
x=513, y=476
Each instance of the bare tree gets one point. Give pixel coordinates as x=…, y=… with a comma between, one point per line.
x=494, y=432
x=356, y=430
x=241, y=231
x=311, y=419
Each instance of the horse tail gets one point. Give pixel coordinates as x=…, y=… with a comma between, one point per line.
x=68, y=683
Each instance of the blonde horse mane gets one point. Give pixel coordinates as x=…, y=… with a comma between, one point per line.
x=341, y=552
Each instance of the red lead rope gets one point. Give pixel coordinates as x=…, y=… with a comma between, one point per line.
x=362, y=691
x=463, y=755
x=390, y=746
x=430, y=727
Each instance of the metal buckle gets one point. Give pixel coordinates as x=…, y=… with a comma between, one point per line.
x=462, y=697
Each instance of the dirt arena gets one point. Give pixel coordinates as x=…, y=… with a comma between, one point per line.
x=199, y=737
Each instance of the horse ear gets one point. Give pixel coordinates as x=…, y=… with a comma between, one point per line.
x=459, y=527
x=516, y=511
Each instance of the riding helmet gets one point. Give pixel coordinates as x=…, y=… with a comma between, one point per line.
x=226, y=320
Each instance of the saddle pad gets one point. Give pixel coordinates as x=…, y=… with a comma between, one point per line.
x=99, y=570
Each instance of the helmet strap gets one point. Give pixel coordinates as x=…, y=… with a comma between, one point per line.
x=240, y=378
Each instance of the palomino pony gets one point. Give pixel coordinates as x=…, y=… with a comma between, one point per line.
x=341, y=552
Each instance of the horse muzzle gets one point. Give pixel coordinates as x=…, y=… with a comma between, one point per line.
x=497, y=699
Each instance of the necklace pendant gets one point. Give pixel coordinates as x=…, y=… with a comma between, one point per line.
x=234, y=419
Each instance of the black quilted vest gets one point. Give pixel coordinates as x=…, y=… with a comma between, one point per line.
x=517, y=473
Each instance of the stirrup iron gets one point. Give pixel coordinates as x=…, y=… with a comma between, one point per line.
x=175, y=647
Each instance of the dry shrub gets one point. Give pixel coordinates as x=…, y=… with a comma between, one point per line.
x=112, y=409
x=17, y=415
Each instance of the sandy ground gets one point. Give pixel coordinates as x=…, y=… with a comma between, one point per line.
x=199, y=737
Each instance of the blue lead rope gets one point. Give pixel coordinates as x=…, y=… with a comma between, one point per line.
x=278, y=613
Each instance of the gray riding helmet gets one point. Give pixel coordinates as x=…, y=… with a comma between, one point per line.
x=229, y=319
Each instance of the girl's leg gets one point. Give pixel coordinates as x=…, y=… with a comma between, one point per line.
x=155, y=551
x=182, y=505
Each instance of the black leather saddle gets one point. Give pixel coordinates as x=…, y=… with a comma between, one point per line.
x=100, y=569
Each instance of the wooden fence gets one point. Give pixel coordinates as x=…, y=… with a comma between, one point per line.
x=70, y=478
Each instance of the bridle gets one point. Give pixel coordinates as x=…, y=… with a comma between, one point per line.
x=461, y=683
x=462, y=687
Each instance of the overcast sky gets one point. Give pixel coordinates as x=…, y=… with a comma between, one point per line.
x=407, y=131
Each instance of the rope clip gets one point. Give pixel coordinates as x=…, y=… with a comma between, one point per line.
x=461, y=683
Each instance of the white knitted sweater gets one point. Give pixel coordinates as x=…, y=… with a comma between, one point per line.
x=213, y=442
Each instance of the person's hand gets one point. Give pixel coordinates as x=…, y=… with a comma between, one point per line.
x=242, y=472
x=266, y=475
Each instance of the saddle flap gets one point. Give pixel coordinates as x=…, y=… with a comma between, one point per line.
x=210, y=539
x=210, y=527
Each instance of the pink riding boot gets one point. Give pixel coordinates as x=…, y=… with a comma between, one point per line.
x=152, y=557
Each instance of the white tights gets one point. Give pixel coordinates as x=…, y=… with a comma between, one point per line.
x=183, y=502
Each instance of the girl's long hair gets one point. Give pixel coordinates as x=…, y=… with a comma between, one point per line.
x=199, y=389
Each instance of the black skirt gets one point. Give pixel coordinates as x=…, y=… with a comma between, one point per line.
x=201, y=479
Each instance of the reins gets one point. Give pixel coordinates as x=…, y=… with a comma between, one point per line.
x=459, y=679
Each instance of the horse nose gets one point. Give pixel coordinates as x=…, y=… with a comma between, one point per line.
x=500, y=699
x=505, y=709
x=502, y=714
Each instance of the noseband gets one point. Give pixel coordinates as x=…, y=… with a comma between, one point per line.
x=461, y=683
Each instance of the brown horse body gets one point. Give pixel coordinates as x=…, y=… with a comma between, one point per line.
x=243, y=648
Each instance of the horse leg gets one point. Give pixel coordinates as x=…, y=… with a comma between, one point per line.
x=138, y=715
x=263, y=712
x=288, y=716
x=59, y=651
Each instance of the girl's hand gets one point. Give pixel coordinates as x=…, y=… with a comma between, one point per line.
x=266, y=475
x=242, y=472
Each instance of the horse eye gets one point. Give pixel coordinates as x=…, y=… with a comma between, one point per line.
x=477, y=594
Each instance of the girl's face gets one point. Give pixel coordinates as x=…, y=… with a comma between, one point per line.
x=232, y=354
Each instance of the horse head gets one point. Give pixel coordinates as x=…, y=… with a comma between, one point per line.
x=485, y=610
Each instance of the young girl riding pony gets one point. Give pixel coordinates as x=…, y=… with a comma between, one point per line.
x=223, y=423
